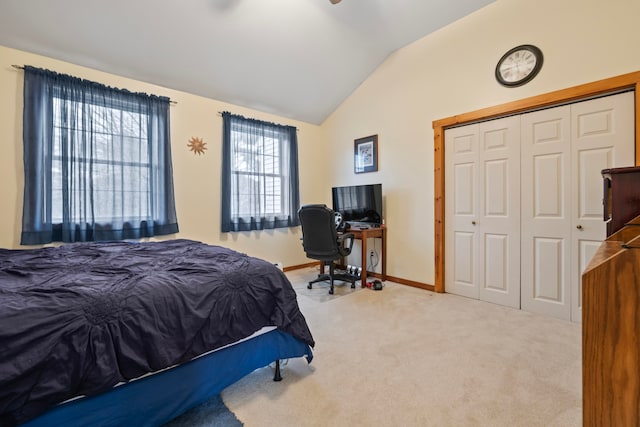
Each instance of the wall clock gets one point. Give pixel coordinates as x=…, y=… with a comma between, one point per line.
x=519, y=65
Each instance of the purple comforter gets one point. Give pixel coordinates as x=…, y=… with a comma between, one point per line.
x=80, y=318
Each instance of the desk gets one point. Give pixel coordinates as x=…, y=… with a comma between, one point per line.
x=363, y=234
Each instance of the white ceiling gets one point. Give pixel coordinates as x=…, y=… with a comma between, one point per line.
x=294, y=58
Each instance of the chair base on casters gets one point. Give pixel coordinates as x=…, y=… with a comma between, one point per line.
x=333, y=276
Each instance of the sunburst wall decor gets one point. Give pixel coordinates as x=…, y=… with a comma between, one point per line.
x=197, y=145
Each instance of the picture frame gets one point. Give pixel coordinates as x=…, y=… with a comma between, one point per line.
x=365, y=154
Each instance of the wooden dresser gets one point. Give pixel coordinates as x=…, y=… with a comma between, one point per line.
x=611, y=331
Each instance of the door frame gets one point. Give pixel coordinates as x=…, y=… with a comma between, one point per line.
x=630, y=81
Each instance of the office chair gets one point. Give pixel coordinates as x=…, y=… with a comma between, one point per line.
x=321, y=241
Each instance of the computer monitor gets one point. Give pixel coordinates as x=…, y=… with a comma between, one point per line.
x=359, y=203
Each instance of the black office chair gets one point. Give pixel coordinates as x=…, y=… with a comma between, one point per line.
x=321, y=241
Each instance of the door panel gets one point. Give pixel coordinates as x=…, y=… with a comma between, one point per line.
x=548, y=197
x=546, y=233
x=499, y=222
x=590, y=163
x=602, y=137
x=496, y=256
x=461, y=237
x=464, y=179
x=496, y=197
x=463, y=274
x=549, y=271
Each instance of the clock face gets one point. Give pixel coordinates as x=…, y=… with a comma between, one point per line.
x=519, y=65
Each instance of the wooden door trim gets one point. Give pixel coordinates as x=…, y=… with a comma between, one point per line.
x=629, y=81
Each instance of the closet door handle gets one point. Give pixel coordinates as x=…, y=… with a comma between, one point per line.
x=473, y=223
x=579, y=227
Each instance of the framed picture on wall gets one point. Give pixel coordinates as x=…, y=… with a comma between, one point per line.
x=365, y=151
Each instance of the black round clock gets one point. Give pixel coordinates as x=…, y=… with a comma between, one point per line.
x=519, y=65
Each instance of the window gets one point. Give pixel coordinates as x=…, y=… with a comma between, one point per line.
x=120, y=143
x=260, y=175
x=97, y=162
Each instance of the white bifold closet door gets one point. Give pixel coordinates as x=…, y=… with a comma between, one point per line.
x=564, y=150
x=523, y=202
x=483, y=242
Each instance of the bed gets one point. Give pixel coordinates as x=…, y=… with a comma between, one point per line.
x=121, y=333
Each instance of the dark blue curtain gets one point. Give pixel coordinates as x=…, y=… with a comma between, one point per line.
x=97, y=162
x=260, y=187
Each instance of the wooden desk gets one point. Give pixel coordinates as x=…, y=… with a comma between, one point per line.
x=363, y=234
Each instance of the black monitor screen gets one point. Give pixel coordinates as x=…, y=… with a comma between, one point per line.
x=359, y=203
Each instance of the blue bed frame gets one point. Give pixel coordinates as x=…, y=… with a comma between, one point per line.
x=159, y=398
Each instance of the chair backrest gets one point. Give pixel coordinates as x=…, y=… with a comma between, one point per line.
x=319, y=235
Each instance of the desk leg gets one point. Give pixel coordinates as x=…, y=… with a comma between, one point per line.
x=384, y=254
x=363, y=276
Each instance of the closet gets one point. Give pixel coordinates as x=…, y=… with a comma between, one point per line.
x=523, y=205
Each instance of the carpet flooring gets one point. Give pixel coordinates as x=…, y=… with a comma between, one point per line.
x=408, y=357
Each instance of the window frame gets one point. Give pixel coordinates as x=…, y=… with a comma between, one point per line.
x=262, y=176
x=255, y=210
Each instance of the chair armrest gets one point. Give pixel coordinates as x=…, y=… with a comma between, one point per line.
x=341, y=238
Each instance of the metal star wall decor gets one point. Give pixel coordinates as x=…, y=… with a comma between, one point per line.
x=197, y=145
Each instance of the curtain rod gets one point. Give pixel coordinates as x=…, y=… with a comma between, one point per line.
x=220, y=115
x=18, y=67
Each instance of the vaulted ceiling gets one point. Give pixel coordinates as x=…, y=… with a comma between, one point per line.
x=294, y=58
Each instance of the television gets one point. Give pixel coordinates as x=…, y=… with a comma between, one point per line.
x=359, y=203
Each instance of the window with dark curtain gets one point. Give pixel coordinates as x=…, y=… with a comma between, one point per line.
x=259, y=175
x=97, y=162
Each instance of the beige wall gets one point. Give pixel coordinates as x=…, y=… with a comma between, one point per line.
x=196, y=178
x=444, y=74
x=452, y=72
